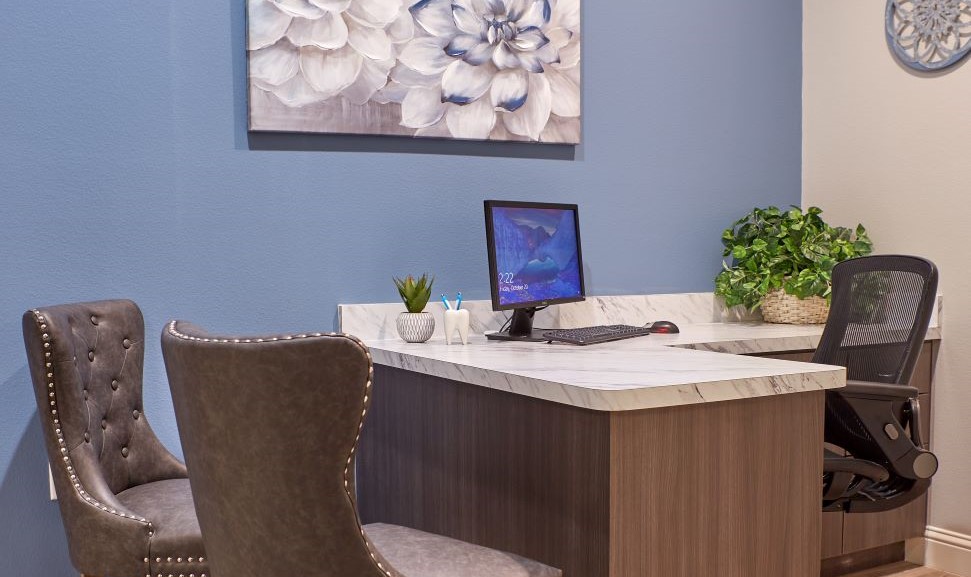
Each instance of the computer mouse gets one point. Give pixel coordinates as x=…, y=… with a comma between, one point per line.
x=664, y=327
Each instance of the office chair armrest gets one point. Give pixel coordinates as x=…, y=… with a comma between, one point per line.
x=874, y=406
x=912, y=414
x=880, y=391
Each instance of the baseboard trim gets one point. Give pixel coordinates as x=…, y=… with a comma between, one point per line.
x=942, y=549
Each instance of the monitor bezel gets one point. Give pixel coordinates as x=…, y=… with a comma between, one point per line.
x=491, y=249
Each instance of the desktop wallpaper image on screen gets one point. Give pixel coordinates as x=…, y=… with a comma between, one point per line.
x=536, y=254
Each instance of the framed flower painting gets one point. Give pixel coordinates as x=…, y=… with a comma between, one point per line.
x=466, y=69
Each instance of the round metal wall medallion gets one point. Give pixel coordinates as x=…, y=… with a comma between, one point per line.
x=929, y=35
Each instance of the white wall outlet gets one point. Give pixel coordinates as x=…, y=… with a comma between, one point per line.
x=50, y=482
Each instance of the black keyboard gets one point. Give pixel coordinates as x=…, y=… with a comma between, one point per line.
x=597, y=334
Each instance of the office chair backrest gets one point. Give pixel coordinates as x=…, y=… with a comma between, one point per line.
x=881, y=306
x=269, y=427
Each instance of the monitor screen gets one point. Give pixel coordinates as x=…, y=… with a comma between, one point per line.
x=534, y=254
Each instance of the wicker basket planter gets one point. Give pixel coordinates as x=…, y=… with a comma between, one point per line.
x=781, y=307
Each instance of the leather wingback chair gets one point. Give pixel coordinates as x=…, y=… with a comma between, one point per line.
x=125, y=500
x=269, y=427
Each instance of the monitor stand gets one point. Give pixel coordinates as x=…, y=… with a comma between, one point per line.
x=520, y=328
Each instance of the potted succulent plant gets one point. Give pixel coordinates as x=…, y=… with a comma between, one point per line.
x=782, y=261
x=415, y=326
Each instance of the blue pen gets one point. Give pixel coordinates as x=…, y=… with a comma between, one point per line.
x=448, y=307
x=458, y=302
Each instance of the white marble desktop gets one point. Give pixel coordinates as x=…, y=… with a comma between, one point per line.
x=619, y=376
x=640, y=373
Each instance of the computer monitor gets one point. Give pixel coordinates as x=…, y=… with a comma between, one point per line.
x=534, y=261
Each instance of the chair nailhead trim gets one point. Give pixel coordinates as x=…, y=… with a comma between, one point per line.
x=367, y=395
x=65, y=456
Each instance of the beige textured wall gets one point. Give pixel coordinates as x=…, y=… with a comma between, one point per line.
x=892, y=149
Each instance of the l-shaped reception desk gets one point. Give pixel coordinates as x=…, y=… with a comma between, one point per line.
x=659, y=455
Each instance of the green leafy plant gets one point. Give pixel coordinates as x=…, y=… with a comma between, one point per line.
x=792, y=250
x=415, y=294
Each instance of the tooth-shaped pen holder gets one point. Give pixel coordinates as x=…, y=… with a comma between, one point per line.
x=457, y=321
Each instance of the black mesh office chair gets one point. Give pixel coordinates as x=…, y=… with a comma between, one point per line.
x=880, y=310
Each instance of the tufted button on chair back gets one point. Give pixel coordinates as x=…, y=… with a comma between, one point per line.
x=86, y=362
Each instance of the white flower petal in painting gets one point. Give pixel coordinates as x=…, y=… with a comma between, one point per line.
x=475, y=120
x=505, y=57
x=328, y=32
x=510, y=89
x=530, y=39
x=533, y=15
x=537, y=60
x=370, y=42
x=330, y=71
x=403, y=28
x=408, y=77
x=561, y=130
x=422, y=107
x=569, y=55
x=336, y=6
x=435, y=16
x=296, y=93
x=462, y=83
x=391, y=92
x=299, y=8
x=275, y=64
x=267, y=24
x=437, y=130
x=375, y=13
x=460, y=45
x=565, y=94
x=425, y=55
x=559, y=37
x=468, y=20
x=566, y=15
x=530, y=119
x=501, y=133
x=373, y=77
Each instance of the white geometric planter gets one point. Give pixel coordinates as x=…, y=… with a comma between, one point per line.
x=415, y=327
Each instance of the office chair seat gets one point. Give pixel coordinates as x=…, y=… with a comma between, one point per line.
x=846, y=477
x=414, y=552
x=169, y=505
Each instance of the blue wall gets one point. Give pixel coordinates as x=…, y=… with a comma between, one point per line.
x=126, y=171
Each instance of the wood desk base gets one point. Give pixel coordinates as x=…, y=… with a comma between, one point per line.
x=729, y=489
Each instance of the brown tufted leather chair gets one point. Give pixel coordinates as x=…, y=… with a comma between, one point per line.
x=125, y=500
x=269, y=427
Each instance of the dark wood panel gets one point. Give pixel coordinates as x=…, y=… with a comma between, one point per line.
x=923, y=371
x=832, y=542
x=488, y=467
x=728, y=489
x=861, y=560
x=867, y=530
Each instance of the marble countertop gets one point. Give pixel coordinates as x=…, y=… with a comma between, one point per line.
x=705, y=362
x=638, y=373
